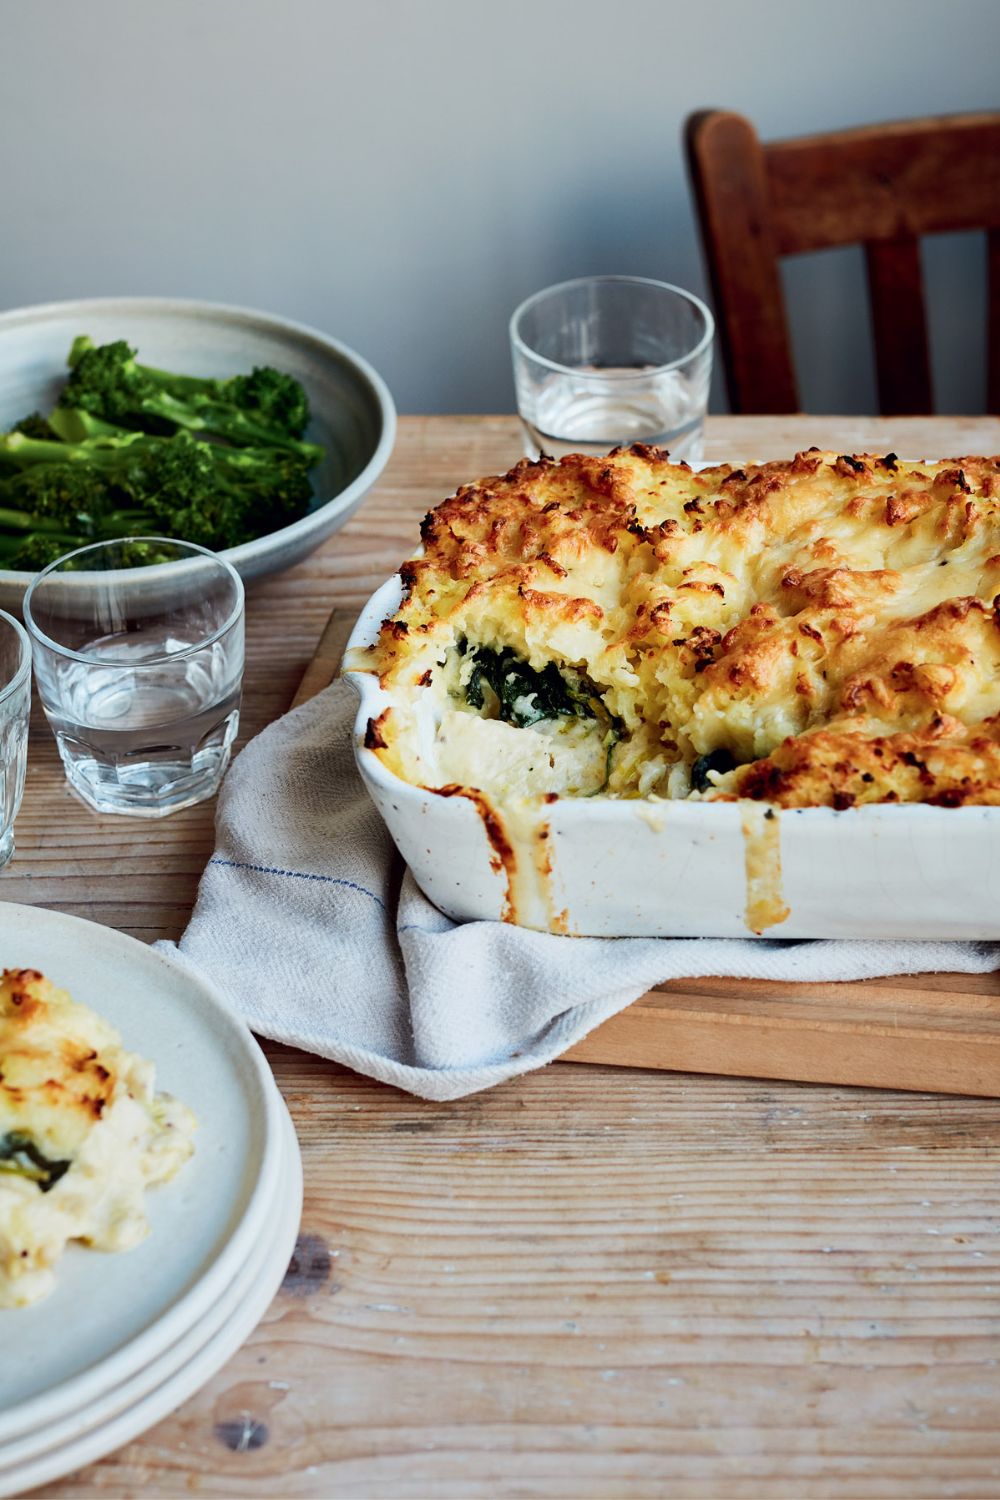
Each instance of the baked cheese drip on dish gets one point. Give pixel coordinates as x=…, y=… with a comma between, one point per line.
x=82, y=1134
x=815, y=632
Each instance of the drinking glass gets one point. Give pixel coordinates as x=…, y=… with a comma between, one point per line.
x=139, y=671
x=611, y=360
x=15, y=701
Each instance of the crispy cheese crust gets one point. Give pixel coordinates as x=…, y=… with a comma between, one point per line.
x=82, y=1134
x=825, y=627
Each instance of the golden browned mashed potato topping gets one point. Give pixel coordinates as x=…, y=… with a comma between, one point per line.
x=818, y=632
x=82, y=1134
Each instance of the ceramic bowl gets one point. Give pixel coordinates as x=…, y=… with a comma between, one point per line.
x=353, y=415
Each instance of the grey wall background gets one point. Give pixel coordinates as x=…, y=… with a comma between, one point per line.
x=402, y=172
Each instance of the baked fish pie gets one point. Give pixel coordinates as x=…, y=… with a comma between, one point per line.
x=82, y=1134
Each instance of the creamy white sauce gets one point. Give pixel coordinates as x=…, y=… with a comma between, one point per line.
x=140, y=1139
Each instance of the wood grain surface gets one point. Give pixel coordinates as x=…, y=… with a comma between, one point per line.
x=592, y=1281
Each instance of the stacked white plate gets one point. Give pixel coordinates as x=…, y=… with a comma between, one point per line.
x=125, y=1339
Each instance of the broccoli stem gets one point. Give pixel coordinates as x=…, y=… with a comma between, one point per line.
x=219, y=420
x=21, y=452
x=74, y=426
x=21, y=521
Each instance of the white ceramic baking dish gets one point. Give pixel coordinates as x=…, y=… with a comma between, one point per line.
x=600, y=867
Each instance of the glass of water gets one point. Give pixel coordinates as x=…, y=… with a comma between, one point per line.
x=610, y=360
x=15, y=701
x=139, y=670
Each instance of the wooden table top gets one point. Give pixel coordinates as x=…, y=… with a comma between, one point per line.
x=590, y=1281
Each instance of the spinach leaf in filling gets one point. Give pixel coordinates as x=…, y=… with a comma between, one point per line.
x=721, y=761
x=20, y=1155
x=526, y=696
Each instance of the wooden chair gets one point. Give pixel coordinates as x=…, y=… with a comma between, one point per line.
x=882, y=186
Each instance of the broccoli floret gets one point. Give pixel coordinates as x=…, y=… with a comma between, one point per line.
x=262, y=409
x=178, y=486
x=142, y=554
x=279, y=399
x=38, y=550
x=216, y=496
x=267, y=395
x=36, y=426
x=49, y=509
x=70, y=493
x=35, y=552
x=220, y=497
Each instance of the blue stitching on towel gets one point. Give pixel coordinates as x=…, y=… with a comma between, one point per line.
x=233, y=864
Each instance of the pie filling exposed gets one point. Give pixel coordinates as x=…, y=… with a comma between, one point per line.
x=82, y=1135
x=819, y=632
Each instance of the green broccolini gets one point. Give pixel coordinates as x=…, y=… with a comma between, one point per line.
x=131, y=450
x=265, y=407
x=55, y=496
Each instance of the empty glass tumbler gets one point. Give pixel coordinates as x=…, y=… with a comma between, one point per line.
x=139, y=669
x=610, y=360
x=15, y=702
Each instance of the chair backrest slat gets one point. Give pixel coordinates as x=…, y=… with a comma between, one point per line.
x=731, y=188
x=882, y=186
x=899, y=325
x=929, y=176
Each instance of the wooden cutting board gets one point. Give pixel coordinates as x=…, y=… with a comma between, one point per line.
x=936, y=1032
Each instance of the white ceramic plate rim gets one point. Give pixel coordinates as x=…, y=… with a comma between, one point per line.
x=343, y=500
x=258, y=1265
x=183, y=1383
x=69, y=1394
